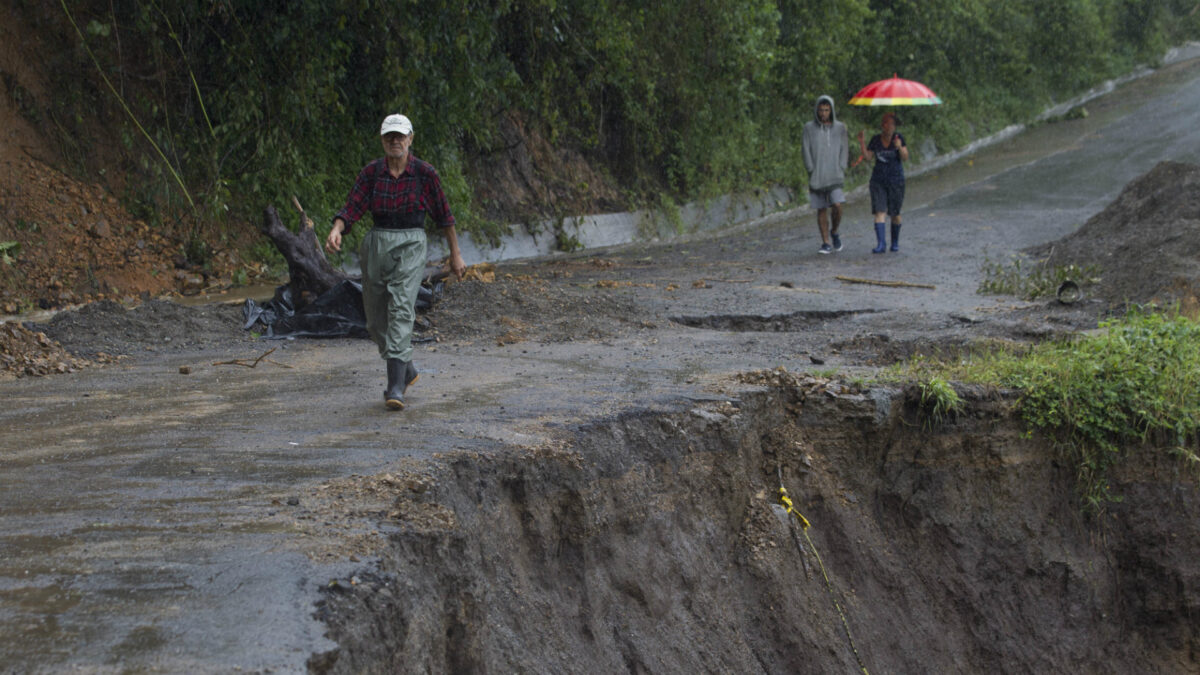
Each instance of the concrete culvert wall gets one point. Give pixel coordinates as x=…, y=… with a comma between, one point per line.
x=654, y=543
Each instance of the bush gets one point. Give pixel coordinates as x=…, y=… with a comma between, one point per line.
x=1136, y=381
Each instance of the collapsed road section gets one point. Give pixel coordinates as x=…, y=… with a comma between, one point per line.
x=658, y=542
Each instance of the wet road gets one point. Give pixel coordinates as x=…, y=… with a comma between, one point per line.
x=162, y=522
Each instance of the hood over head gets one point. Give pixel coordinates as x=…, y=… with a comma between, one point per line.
x=832, y=109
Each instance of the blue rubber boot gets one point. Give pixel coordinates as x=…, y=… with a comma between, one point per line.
x=895, y=237
x=880, y=238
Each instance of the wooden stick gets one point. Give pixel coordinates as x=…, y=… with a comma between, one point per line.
x=308, y=223
x=875, y=282
x=242, y=362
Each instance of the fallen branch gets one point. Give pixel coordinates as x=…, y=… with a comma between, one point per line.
x=254, y=364
x=876, y=282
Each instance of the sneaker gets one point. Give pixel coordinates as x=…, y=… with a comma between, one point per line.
x=837, y=242
x=825, y=248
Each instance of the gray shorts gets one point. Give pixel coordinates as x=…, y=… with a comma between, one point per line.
x=823, y=199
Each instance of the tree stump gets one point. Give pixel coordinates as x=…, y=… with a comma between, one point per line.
x=309, y=272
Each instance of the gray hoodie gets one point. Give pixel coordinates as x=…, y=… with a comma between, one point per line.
x=826, y=150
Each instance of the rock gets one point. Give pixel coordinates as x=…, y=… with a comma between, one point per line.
x=189, y=284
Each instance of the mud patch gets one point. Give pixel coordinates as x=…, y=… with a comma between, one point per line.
x=516, y=309
x=775, y=323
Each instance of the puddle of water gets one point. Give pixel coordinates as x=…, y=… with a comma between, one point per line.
x=775, y=323
x=233, y=296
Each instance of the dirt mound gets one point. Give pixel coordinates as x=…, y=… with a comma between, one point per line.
x=74, y=241
x=108, y=327
x=66, y=235
x=25, y=352
x=1146, y=243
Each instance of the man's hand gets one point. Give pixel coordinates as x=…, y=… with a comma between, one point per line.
x=457, y=265
x=334, y=242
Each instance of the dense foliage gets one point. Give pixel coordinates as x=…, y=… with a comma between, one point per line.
x=251, y=102
x=1135, y=381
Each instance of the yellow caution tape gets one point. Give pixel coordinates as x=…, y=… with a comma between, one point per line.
x=787, y=503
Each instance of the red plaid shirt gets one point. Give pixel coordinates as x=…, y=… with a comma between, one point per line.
x=418, y=189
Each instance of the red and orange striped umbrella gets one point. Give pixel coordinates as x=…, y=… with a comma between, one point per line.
x=895, y=91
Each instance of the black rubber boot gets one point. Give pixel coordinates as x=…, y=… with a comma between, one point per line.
x=880, y=239
x=895, y=237
x=410, y=375
x=397, y=374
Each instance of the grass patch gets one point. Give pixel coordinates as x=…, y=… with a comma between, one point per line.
x=1033, y=280
x=938, y=401
x=1135, y=382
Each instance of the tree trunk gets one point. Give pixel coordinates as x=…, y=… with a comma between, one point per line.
x=309, y=272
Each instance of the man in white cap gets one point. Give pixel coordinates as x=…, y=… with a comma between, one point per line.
x=399, y=190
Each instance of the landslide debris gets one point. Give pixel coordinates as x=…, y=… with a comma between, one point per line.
x=108, y=327
x=1146, y=243
x=25, y=352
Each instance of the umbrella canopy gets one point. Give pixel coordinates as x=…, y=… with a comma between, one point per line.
x=895, y=91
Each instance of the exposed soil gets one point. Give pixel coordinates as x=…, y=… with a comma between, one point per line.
x=527, y=179
x=1147, y=243
x=25, y=352
x=657, y=543
x=546, y=303
x=75, y=240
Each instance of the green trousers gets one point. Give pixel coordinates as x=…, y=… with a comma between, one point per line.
x=393, y=263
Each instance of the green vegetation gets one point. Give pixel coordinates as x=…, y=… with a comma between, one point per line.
x=225, y=106
x=938, y=400
x=7, y=250
x=1033, y=281
x=1135, y=381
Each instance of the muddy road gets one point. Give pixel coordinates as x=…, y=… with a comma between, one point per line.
x=583, y=475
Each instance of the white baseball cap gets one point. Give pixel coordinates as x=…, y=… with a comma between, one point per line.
x=395, y=123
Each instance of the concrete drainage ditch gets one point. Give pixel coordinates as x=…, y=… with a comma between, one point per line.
x=655, y=543
x=777, y=323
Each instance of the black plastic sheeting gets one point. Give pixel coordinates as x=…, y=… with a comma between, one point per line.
x=338, y=312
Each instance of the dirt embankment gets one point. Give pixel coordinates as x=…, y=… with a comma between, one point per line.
x=1146, y=243
x=957, y=548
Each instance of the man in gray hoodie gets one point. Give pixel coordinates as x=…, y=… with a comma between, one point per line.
x=826, y=148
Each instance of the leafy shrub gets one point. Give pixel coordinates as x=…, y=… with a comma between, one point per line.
x=1135, y=381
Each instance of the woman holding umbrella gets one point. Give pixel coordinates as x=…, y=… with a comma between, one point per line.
x=889, y=151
